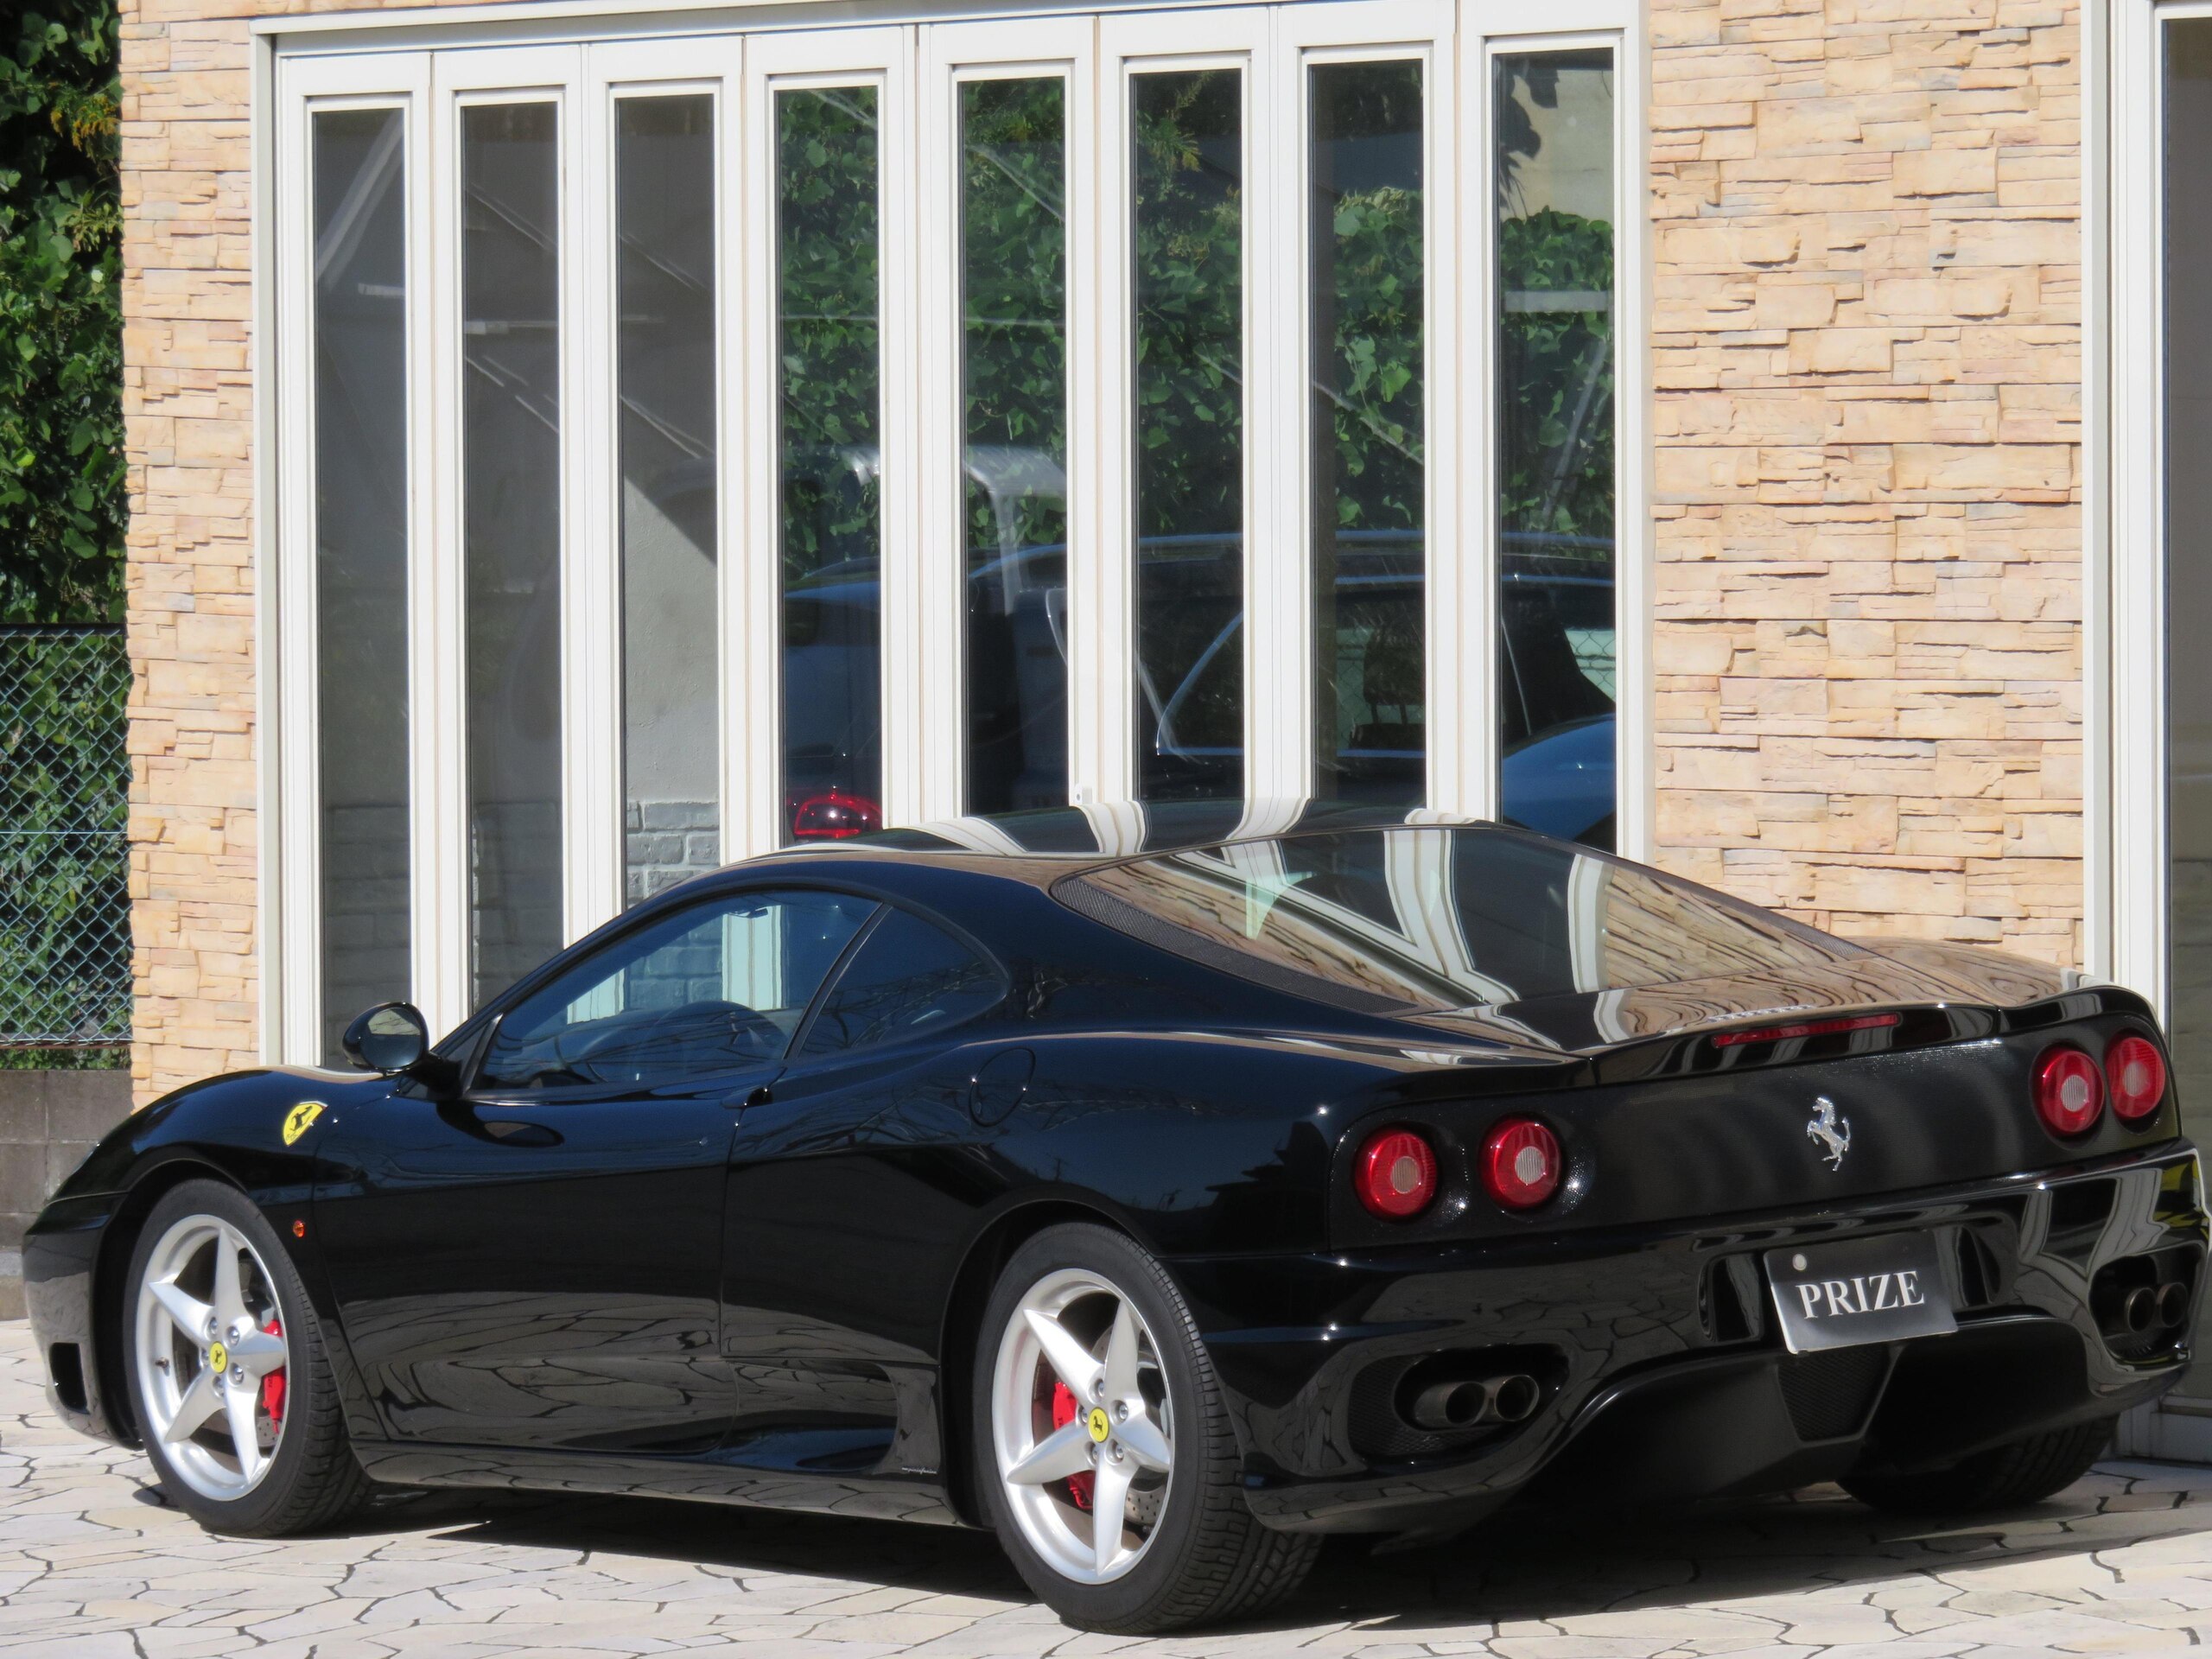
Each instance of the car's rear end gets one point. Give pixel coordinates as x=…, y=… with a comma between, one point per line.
x=1733, y=1206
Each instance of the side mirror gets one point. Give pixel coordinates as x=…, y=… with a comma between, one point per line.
x=391, y=1037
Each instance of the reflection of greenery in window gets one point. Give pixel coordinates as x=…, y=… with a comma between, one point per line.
x=1369, y=290
x=1367, y=315
x=1014, y=279
x=1188, y=379
x=1189, y=298
x=1555, y=341
x=827, y=221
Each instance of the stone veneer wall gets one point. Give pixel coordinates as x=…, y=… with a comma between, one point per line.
x=1867, y=358
x=1867, y=361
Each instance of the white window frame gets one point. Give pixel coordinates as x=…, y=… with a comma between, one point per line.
x=952, y=55
x=2127, y=887
x=1572, y=25
x=2130, y=787
x=709, y=67
x=490, y=76
x=293, y=1012
x=883, y=59
x=1423, y=31
x=432, y=62
x=1101, y=600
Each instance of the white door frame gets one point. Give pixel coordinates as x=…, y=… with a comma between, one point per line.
x=2127, y=887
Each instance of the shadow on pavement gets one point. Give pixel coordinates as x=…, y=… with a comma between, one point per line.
x=1517, y=1567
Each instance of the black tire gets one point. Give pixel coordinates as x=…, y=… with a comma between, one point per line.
x=2003, y=1477
x=1209, y=1559
x=313, y=1480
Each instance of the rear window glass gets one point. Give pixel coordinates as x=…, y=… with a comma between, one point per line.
x=1431, y=919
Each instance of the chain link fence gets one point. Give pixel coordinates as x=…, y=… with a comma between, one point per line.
x=65, y=784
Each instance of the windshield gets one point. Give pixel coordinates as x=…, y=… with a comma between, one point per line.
x=1428, y=918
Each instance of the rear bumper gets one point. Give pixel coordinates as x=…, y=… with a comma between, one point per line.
x=1663, y=1375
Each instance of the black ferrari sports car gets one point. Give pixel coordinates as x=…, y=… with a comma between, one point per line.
x=1163, y=1206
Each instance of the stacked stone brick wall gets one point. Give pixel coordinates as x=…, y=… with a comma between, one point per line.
x=1867, y=362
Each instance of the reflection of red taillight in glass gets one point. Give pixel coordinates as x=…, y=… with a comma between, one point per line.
x=833, y=814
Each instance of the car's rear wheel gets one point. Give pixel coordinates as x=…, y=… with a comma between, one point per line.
x=2003, y=1477
x=229, y=1380
x=1106, y=1456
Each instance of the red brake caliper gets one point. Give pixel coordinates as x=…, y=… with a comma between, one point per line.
x=1064, y=1412
x=272, y=1386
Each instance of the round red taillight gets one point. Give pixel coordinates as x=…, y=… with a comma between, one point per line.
x=2069, y=1090
x=1396, y=1176
x=1521, y=1163
x=2136, y=1072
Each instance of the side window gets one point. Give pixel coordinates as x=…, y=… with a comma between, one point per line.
x=907, y=979
x=712, y=988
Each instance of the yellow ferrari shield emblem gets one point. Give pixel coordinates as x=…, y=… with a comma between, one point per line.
x=296, y=1121
x=219, y=1357
x=1098, y=1425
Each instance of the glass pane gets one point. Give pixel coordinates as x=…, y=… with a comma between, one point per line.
x=1368, y=480
x=1437, y=919
x=1188, y=163
x=2188, y=333
x=664, y=275
x=361, y=530
x=832, y=508
x=511, y=534
x=1014, y=333
x=1554, y=191
x=908, y=979
x=710, y=989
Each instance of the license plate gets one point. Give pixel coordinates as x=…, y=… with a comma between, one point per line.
x=1878, y=1289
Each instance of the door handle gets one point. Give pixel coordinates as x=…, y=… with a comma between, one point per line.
x=759, y=1095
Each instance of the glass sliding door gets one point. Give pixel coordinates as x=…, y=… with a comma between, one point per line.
x=1187, y=445
x=511, y=534
x=1014, y=333
x=669, y=464
x=949, y=443
x=830, y=506
x=1553, y=148
x=358, y=181
x=1367, y=345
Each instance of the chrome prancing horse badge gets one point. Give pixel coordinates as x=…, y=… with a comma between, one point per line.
x=300, y=1118
x=1833, y=1132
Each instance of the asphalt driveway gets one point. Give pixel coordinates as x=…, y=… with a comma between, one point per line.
x=92, y=1563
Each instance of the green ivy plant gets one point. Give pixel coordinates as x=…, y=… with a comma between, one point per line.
x=62, y=501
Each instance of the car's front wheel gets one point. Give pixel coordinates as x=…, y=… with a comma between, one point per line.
x=1104, y=1450
x=229, y=1382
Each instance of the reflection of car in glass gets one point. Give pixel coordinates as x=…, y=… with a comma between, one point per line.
x=1555, y=644
x=1167, y=1203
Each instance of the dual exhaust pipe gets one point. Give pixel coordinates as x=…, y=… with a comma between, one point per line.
x=2144, y=1309
x=1477, y=1402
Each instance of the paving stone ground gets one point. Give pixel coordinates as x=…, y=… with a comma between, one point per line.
x=92, y=1565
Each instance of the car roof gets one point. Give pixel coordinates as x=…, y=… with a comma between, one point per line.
x=1042, y=845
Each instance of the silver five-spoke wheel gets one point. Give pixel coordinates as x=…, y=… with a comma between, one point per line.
x=212, y=1359
x=1080, y=1424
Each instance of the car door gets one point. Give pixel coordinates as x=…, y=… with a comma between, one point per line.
x=848, y=1189
x=536, y=1261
